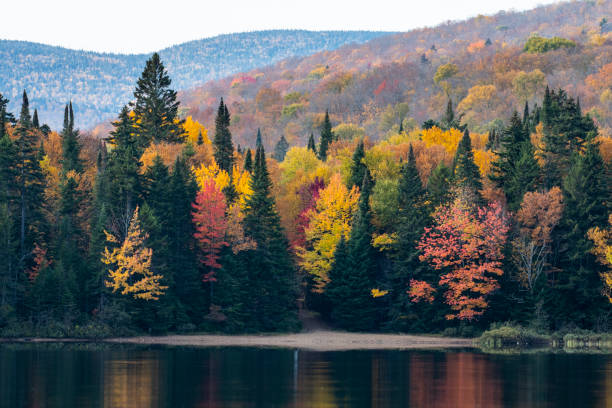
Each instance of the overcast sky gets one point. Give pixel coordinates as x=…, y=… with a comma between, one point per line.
x=136, y=26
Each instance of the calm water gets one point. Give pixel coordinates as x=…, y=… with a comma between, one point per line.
x=73, y=376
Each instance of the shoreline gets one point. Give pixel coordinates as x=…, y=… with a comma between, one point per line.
x=322, y=340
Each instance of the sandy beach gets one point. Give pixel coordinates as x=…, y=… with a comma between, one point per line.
x=323, y=340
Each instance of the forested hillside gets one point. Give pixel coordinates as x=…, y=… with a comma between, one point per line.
x=165, y=225
x=487, y=65
x=98, y=84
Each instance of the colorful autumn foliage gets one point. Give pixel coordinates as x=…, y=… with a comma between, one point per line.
x=210, y=224
x=466, y=245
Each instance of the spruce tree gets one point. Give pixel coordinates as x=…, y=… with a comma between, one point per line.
x=413, y=217
x=270, y=269
x=71, y=148
x=258, y=141
x=327, y=137
x=123, y=172
x=8, y=195
x=466, y=172
x=515, y=170
x=311, y=144
x=248, y=161
x=439, y=185
x=30, y=182
x=156, y=106
x=222, y=143
x=586, y=191
x=280, y=150
x=35, y=122
x=353, y=305
x=358, y=167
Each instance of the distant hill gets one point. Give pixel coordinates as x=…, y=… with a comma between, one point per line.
x=368, y=87
x=99, y=84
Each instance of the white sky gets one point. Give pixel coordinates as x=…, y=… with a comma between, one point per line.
x=135, y=26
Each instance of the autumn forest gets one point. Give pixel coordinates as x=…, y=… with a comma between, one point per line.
x=448, y=220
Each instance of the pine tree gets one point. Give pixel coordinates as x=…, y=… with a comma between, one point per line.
x=270, y=269
x=248, y=161
x=466, y=172
x=515, y=170
x=353, y=305
x=413, y=217
x=280, y=150
x=156, y=107
x=358, y=167
x=200, y=140
x=222, y=143
x=258, y=141
x=327, y=137
x=8, y=195
x=311, y=144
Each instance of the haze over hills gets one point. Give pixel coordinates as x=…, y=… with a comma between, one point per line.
x=99, y=83
x=370, y=86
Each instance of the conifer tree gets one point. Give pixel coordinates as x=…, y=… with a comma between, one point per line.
x=30, y=182
x=271, y=273
x=586, y=191
x=466, y=172
x=353, y=305
x=439, y=184
x=200, y=140
x=258, y=141
x=71, y=148
x=248, y=161
x=156, y=107
x=515, y=170
x=358, y=167
x=413, y=217
x=311, y=144
x=35, y=122
x=123, y=172
x=222, y=143
x=280, y=150
x=327, y=137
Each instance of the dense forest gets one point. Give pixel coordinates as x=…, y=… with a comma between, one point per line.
x=99, y=83
x=487, y=65
x=165, y=225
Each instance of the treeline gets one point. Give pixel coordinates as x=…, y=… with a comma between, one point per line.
x=158, y=228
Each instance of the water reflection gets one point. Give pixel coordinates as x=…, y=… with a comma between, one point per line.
x=66, y=376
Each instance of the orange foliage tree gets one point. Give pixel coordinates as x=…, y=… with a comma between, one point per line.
x=466, y=244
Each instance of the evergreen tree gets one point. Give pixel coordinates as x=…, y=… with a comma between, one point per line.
x=200, y=140
x=358, y=167
x=311, y=144
x=280, y=150
x=156, y=107
x=450, y=120
x=327, y=137
x=248, y=161
x=270, y=269
x=8, y=195
x=258, y=141
x=222, y=143
x=439, y=185
x=35, y=122
x=413, y=217
x=353, y=305
x=466, y=172
x=123, y=172
x=30, y=183
x=71, y=148
x=515, y=170
x=586, y=191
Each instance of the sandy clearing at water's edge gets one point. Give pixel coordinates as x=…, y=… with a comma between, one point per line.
x=317, y=340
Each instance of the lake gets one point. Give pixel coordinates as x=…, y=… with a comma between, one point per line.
x=88, y=375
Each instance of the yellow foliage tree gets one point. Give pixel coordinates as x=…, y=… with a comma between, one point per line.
x=447, y=138
x=602, y=249
x=130, y=265
x=330, y=220
x=239, y=179
x=193, y=128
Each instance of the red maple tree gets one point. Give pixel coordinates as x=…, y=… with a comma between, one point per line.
x=467, y=244
x=211, y=224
